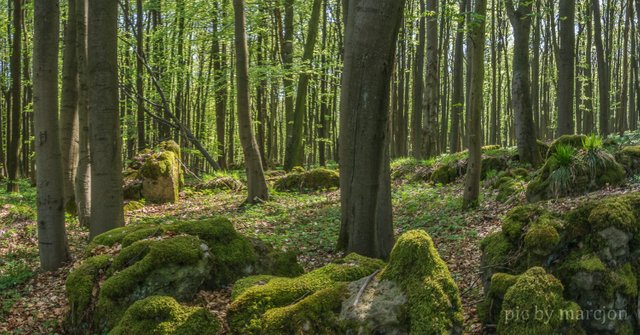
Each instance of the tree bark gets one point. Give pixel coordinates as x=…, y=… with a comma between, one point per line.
x=83, y=172
x=371, y=34
x=69, y=109
x=431, y=92
x=14, y=116
x=104, y=125
x=457, y=99
x=566, y=67
x=256, y=184
x=476, y=105
x=418, y=87
x=51, y=231
x=520, y=18
x=141, y=136
x=603, y=69
x=294, y=155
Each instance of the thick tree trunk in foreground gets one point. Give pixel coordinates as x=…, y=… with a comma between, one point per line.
x=104, y=124
x=69, y=109
x=566, y=67
x=256, y=183
x=371, y=33
x=520, y=18
x=476, y=105
x=51, y=232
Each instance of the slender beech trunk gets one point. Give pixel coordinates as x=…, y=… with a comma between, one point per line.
x=51, y=231
x=520, y=18
x=603, y=69
x=83, y=172
x=294, y=155
x=476, y=104
x=418, y=87
x=69, y=109
x=14, y=114
x=370, y=41
x=431, y=94
x=104, y=125
x=140, y=77
x=566, y=67
x=457, y=99
x=256, y=183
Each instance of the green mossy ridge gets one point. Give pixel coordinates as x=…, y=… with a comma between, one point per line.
x=114, y=236
x=541, y=239
x=171, y=146
x=136, y=261
x=500, y=283
x=446, y=174
x=243, y=284
x=314, y=180
x=575, y=141
x=285, y=264
x=158, y=165
x=160, y=315
x=517, y=219
x=80, y=284
x=246, y=312
x=508, y=187
x=433, y=298
x=314, y=314
x=496, y=251
x=633, y=151
x=533, y=291
x=615, y=212
x=626, y=278
x=224, y=183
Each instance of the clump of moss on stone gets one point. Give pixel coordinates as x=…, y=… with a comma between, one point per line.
x=243, y=284
x=575, y=141
x=224, y=183
x=541, y=239
x=246, y=313
x=496, y=250
x=613, y=213
x=433, y=298
x=536, y=291
x=312, y=180
x=446, y=174
x=79, y=286
x=163, y=315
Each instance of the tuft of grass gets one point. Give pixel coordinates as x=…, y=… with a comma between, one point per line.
x=592, y=142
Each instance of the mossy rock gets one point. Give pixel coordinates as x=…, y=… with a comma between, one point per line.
x=221, y=184
x=434, y=305
x=591, y=249
x=575, y=141
x=161, y=178
x=132, y=189
x=447, y=173
x=536, y=293
x=629, y=157
x=161, y=315
x=509, y=187
x=175, y=259
x=491, y=163
x=133, y=206
x=288, y=305
x=588, y=171
x=312, y=180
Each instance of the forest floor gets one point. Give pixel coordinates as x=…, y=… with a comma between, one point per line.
x=33, y=302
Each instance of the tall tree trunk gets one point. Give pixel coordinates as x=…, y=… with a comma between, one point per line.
x=51, y=231
x=566, y=67
x=457, y=99
x=142, y=144
x=431, y=92
x=13, y=121
x=418, y=87
x=603, y=69
x=287, y=63
x=624, y=95
x=83, y=172
x=520, y=18
x=476, y=104
x=106, y=141
x=255, y=174
x=371, y=33
x=69, y=109
x=294, y=155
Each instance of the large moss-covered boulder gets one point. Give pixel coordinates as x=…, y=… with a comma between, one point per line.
x=413, y=294
x=155, y=175
x=223, y=183
x=592, y=250
x=311, y=180
x=162, y=315
x=174, y=259
x=575, y=172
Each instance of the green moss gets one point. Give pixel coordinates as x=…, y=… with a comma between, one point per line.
x=245, y=283
x=518, y=218
x=80, y=284
x=578, y=262
x=520, y=172
x=133, y=206
x=496, y=250
x=433, y=298
x=159, y=165
x=141, y=234
x=314, y=314
x=575, y=141
x=313, y=180
x=114, y=236
x=246, y=312
x=164, y=316
x=507, y=188
x=490, y=147
x=541, y=239
x=535, y=290
x=500, y=283
x=625, y=278
x=615, y=212
x=142, y=257
x=445, y=174
x=170, y=146
x=633, y=151
x=285, y=264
